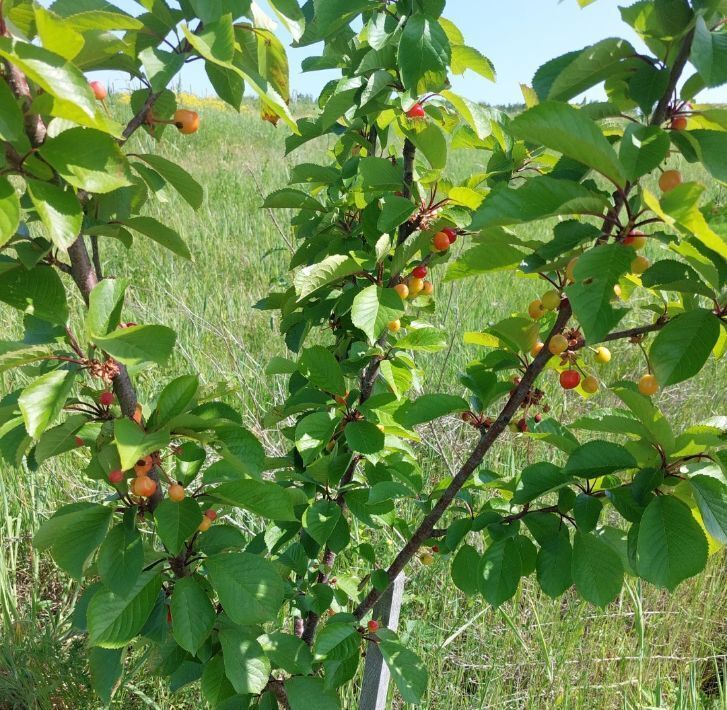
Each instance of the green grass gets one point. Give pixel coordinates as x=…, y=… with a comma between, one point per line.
x=648, y=649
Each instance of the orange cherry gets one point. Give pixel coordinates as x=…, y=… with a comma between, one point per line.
x=402, y=290
x=176, y=492
x=143, y=466
x=186, y=121
x=669, y=180
x=145, y=486
x=441, y=241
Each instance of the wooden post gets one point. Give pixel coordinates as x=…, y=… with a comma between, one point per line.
x=376, y=673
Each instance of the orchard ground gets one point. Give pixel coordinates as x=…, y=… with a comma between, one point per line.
x=533, y=652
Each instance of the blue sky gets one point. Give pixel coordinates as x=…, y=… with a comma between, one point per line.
x=517, y=36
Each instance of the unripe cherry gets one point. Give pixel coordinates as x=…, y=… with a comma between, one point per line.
x=569, y=379
x=402, y=290
x=590, y=384
x=205, y=524
x=669, y=180
x=176, y=492
x=426, y=558
x=441, y=242
x=536, y=349
x=415, y=286
x=558, y=344
x=639, y=265
x=550, y=300
x=635, y=239
x=536, y=309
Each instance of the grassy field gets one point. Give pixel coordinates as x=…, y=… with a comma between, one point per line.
x=647, y=650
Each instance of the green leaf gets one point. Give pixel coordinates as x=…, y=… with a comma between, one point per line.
x=305, y=693
x=499, y=571
x=174, y=399
x=554, y=564
x=310, y=278
x=73, y=534
x=242, y=449
x=571, y=74
x=597, y=569
x=423, y=55
x=596, y=273
x=189, y=189
x=379, y=175
x=193, y=615
x=228, y=85
x=312, y=433
x=464, y=58
x=709, y=54
x=374, y=308
x=569, y=131
x=264, y=498
x=429, y=407
x=287, y=652
x=72, y=97
x=429, y=340
x=337, y=641
x=711, y=497
x=160, y=233
x=289, y=198
x=407, y=670
x=681, y=348
x=598, y=458
x=177, y=522
x=464, y=571
x=364, y=437
x=246, y=665
x=484, y=258
x=133, y=443
x=475, y=115
x=249, y=587
x=121, y=558
x=139, y=344
x=538, y=198
x=12, y=128
x=9, y=210
x=104, y=306
x=320, y=367
x=59, y=439
x=89, y=160
x=320, y=520
x=395, y=210
x=673, y=275
x=429, y=140
x=643, y=149
x=115, y=619
x=707, y=147
x=160, y=67
x=656, y=424
x=105, y=665
x=59, y=211
x=38, y=292
x=671, y=545
x=43, y=399
x=537, y=479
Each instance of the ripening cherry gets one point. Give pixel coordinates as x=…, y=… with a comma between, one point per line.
x=419, y=272
x=648, y=385
x=590, y=384
x=79, y=441
x=186, y=121
x=415, y=286
x=617, y=291
x=451, y=234
x=635, y=239
x=426, y=558
x=416, y=111
x=441, y=241
x=603, y=355
x=639, y=265
x=99, y=90
x=176, y=492
x=536, y=310
x=115, y=477
x=402, y=290
x=106, y=399
x=394, y=325
x=145, y=486
x=143, y=466
x=558, y=344
x=522, y=425
x=550, y=300
x=569, y=379
x=678, y=123
x=428, y=288
x=536, y=349
x=211, y=513
x=372, y=626
x=669, y=180
x=205, y=525
x=569, y=269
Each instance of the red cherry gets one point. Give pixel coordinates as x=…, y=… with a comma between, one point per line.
x=416, y=111
x=522, y=425
x=115, y=477
x=79, y=441
x=373, y=626
x=435, y=548
x=419, y=272
x=99, y=90
x=106, y=399
x=211, y=514
x=569, y=379
x=451, y=233
x=538, y=418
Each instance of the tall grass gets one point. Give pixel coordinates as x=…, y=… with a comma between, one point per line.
x=648, y=649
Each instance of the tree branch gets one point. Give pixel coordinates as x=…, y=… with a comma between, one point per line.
x=487, y=439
